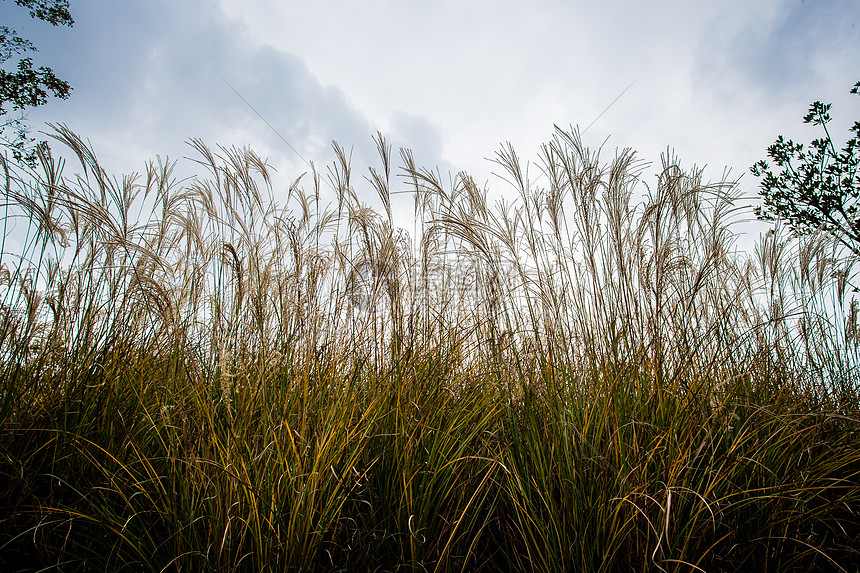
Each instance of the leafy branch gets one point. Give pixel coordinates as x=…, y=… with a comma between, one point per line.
x=816, y=188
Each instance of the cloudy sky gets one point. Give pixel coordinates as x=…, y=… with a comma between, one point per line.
x=714, y=81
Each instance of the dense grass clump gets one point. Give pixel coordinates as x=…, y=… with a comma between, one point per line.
x=591, y=377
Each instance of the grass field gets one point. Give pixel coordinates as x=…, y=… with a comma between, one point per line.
x=587, y=377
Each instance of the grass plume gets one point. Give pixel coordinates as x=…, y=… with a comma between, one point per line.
x=587, y=377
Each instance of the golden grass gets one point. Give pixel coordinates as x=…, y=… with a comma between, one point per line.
x=590, y=377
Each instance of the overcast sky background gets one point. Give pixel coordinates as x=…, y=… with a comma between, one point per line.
x=715, y=82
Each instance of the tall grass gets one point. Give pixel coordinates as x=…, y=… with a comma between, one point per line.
x=588, y=377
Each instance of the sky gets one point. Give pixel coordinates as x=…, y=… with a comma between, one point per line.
x=712, y=82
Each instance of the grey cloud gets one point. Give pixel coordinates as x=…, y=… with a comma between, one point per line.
x=154, y=74
x=419, y=135
x=789, y=51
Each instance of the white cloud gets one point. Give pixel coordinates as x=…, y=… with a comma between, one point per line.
x=716, y=82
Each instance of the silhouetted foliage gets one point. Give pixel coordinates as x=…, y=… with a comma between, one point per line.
x=26, y=87
x=816, y=187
